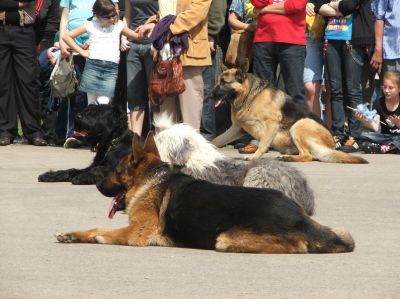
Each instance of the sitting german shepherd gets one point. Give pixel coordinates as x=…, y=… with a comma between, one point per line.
x=275, y=120
x=169, y=208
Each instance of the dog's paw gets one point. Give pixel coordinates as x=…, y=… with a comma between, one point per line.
x=65, y=238
x=284, y=158
x=247, y=157
x=46, y=177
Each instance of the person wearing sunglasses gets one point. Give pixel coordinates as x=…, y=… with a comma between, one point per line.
x=101, y=69
x=73, y=14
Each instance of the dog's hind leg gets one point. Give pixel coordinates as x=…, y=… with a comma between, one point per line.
x=249, y=242
x=230, y=135
x=301, y=133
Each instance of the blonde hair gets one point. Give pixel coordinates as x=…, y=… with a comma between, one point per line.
x=393, y=76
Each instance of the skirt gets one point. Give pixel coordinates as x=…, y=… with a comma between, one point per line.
x=99, y=77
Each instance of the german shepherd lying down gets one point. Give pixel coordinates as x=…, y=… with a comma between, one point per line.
x=168, y=208
x=275, y=120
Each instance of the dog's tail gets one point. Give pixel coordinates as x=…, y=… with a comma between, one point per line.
x=163, y=121
x=326, y=154
x=326, y=240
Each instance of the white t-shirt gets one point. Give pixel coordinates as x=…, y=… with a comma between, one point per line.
x=104, y=41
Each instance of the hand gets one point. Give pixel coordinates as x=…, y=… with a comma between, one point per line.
x=124, y=45
x=86, y=46
x=250, y=27
x=359, y=116
x=145, y=30
x=310, y=9
x=376, y=61
x=64, y=49
x=211, y=45
x=394, y=119
x=84, y=53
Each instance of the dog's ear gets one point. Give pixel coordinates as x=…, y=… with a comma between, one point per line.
x=150, y=144
x=223, y=67
x=244, y=65
x=137, y=150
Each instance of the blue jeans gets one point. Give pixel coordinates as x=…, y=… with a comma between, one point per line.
x=380, y=138
x=208, y=126
x=290, y=57
x=345, y=75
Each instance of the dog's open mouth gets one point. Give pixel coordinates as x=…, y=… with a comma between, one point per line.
x=80, y=133
x=114, y=204
x=220, y=101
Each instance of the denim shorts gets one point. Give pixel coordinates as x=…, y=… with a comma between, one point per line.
x=139, y=63
x=99, y=77
x=314, y=61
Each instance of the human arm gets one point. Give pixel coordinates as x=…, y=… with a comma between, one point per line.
x=126, y=20
x=68, y=38
x=284, y=8
x=373, y=125
x=191, y=17
x=327, y=8
x=130, y=33
x=63, y=31
x=377, y=56
x=236, y=24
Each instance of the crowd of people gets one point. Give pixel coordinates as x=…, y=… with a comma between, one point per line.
x=331, y=56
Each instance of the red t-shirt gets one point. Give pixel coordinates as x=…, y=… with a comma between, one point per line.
x=289, y=28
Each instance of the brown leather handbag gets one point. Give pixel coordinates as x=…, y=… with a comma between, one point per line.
x=166, y=80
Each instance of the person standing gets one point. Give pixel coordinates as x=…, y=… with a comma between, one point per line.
x=280, y=39
x=387, y=35
x=138, y=62
x=216, y=20
x=349, y=37
x=19, y=89
x=73, y=14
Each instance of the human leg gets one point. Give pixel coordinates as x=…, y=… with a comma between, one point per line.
x=208, y=125
x=265, y=61
x=191, y=100
x=334, y=68
x=136, y=79
x=291, y=59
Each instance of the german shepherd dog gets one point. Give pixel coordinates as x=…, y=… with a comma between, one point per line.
x=105, y=129
x=275, y=120
x=168, y=208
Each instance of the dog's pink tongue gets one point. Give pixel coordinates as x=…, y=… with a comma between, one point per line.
x=80, y=134
x=113, y=208
x=218, y=103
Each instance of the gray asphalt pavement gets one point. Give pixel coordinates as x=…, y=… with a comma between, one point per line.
x=363, y=198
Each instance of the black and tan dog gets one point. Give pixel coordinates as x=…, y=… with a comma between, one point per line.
x=275, y=120
x=168, y=208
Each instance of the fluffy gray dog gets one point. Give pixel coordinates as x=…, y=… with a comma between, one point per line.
x=182, y=146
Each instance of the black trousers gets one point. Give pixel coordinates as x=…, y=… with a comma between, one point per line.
x=19, y=86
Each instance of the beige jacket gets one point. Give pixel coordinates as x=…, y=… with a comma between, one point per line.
x=191, y=16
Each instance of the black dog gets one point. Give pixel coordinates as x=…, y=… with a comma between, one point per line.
x=106, y=130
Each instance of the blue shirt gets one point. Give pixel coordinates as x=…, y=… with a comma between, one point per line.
x=389, y=12
x=239, y=8
x=79, y=12
x=339, y=28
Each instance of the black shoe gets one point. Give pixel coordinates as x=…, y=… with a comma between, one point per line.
x=370, y=148
x=350, y=146
x=5, y=140
x=39, y=141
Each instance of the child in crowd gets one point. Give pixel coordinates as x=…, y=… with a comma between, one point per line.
x=101, y=68
x=385, y=134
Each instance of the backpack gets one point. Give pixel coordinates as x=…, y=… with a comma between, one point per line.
x=63, y=80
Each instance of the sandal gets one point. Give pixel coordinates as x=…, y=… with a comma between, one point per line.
x=251, y=148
